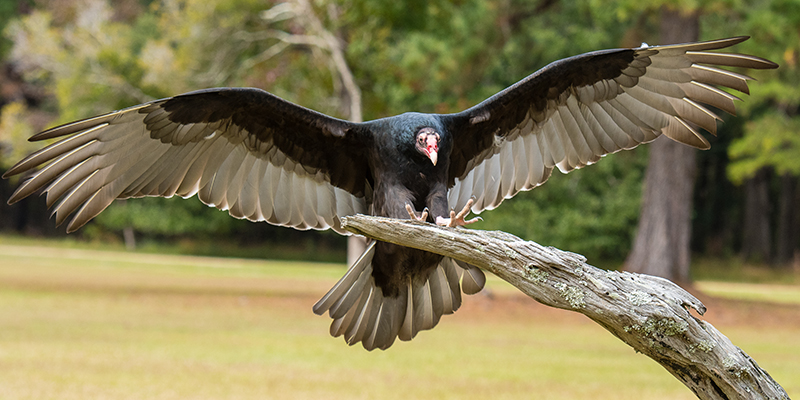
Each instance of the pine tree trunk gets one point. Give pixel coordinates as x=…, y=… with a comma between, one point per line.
x=786, y=232
x=661, y=246
x=756, y=243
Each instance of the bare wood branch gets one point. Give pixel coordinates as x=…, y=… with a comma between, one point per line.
x=649, y=313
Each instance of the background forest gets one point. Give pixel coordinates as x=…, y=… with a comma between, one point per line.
x=62, y=60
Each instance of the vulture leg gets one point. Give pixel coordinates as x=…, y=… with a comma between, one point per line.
x=458, y=219
x=413, y=214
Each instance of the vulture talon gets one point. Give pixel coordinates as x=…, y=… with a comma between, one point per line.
x=413, y=214
x=458, y=219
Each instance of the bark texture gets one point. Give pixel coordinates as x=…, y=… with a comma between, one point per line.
x=662, y=243
x=649, y=313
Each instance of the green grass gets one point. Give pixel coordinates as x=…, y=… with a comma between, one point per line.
x=734, y=269
x=300, y=250
x=769, y=293
x=89, y=324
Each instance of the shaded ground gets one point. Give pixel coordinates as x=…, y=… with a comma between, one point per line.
x=86, y=324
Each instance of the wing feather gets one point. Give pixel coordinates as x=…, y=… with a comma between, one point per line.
x=241, y=150
x=612, y=127
x=726, y=59
x=582, y=127
x=550, y=145
x=241, y=207
x=584, y=107
x=537, y=171
x=520, y=168
x=507, y=171
x=593, y=127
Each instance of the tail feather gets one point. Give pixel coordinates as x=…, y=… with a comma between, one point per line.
x=340, y=325
x=424, y=315
x=355, y=293
x=473, y=279
x=407, y=329
x=388, y=322
x=380, y=327
x=420, y=314
x=373, y=321
x=453, y=278
x=372, y=316
x=355, y=332
x=361, y=313
x=350, y=277
x=438, y=295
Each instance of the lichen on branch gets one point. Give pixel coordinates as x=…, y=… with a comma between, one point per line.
x=648, y=313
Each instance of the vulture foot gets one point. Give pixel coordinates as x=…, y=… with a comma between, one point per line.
x=458, y=219
x=413, y=214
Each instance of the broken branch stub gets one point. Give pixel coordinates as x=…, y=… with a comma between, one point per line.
x=649, y=313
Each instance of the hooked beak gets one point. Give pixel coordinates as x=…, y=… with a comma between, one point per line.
x=432, y=148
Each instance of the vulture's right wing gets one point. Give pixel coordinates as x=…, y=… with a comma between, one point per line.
x=241, y=150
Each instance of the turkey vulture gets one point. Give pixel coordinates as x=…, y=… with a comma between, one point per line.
x=262, y=158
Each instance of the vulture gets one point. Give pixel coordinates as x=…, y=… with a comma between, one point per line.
x=260, y=157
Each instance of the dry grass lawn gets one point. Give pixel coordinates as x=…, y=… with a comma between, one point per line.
x=85, y=324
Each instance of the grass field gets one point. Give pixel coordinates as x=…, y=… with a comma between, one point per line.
x=89, y=324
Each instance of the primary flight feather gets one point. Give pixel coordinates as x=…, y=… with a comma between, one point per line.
x=262, y=158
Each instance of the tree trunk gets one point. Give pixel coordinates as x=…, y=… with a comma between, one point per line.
x=130, y=238
x=756, y=243
x=786, y=233
x=661, y=246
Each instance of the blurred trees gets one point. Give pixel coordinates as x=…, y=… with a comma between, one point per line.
x=661, y=246
x=430, y=56
x=764, y=158
x=94, y=58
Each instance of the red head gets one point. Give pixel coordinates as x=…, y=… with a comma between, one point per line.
x=428, y=144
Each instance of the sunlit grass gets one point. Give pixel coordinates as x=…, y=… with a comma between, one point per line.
x=770, y=293
x=214, y=247
x=88, y=324
x=734, y=269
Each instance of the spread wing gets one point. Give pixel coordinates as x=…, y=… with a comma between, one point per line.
x=241, y=150
x=576, y=110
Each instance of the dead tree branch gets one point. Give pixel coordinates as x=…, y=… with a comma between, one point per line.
x=649, y=313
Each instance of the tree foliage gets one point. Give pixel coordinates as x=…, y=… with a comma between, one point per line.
x=770, y=139
x=411, y=55
x=96, y=61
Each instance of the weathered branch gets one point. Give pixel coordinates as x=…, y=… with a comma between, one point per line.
x=648, y=313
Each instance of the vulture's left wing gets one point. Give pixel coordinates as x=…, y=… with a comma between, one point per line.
x=574, y=111
x=241, y=150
